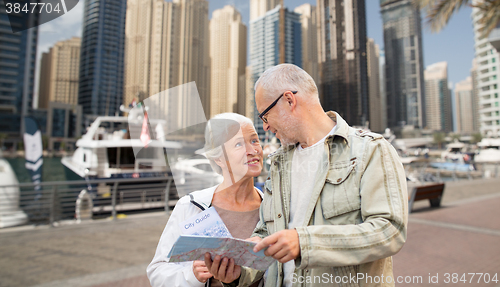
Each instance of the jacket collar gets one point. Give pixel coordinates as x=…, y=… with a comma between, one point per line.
x=342, y=126
x=342, y=131
x=204, y=197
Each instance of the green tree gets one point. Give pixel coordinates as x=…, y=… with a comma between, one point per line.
x=439, y=12
x=439, y=138
x=455, y=137
x=477, y=137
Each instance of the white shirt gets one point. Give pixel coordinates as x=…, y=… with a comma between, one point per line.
x=305, y=165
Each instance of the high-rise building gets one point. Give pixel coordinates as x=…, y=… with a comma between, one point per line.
x=383, y=97
x=488, y=80
x=258, y=8
x=463, y=106
x=475, y=97
x=265, y=49
x=228, y=42
x=59, y=73
x=168, y=46
x=342, y=38
x=438, y=98
x=376, y=112
x=309, y=21
x=148, y=48
x=17, y=69
x=192, y=34
x=405, y=86
x=100, y=90
x=249, y=93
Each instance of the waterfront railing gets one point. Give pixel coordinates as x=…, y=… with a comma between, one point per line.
x=52, y=202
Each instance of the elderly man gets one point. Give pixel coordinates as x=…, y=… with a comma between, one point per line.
x=335, y=207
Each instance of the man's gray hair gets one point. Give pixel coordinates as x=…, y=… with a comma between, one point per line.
x=287, y=77
x=220, y=129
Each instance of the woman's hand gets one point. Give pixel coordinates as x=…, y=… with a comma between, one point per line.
x=200, y=271
x=223, y=269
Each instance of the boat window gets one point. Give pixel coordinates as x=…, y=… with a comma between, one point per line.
x=84, y=158
x=127, y=158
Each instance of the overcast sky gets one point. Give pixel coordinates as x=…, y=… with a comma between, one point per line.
x=455, y=44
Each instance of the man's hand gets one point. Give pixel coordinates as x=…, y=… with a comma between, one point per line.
x=282, y=245
x=223, y=269
x=200, y=271
x=255, y=239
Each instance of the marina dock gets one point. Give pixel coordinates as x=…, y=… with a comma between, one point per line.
x=459, y=237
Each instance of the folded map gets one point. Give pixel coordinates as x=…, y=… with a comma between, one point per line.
x=190, y=248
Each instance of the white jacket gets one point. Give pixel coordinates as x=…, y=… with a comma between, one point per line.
x=160, y=271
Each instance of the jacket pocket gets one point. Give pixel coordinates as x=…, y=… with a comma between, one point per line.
x=340, y=194
x=268, y=208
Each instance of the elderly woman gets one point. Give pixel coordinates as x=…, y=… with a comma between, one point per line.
x=233, y=148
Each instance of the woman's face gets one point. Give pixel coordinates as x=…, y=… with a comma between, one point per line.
x=244, y=155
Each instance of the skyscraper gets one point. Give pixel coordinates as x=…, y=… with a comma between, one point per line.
x=148, y=48
x=309, y=21
x=464, y=106
x=476, y=123
x=59, y=73
x=17, y=69
x=258, y=8
x=228, y=42
x=383, y=96
x=375, y=100
x=102, y=57
x=265, y=48
x=344, y=82
x=192, y=34
x=438, y=98
x=405, y=87
x=488, y=80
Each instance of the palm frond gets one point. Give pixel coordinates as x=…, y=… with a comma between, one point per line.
x=490, y=17
x=439, y=12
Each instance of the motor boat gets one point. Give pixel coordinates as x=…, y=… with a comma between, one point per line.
x=489, y=151
x=10, y=213
x=108, y=151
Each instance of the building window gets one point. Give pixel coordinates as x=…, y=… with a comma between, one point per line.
x=493, y=60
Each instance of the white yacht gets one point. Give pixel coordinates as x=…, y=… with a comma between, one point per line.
x=489, y=151
x=107, y=150
x=10, y=213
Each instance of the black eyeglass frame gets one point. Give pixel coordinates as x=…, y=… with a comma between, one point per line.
x=261, y=115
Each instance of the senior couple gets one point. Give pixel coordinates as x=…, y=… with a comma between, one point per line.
x=332, y=213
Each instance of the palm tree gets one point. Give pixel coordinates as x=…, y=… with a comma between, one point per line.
x=439, y=12
x=439, y=138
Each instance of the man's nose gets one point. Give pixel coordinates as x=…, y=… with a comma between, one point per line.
x=266, y=126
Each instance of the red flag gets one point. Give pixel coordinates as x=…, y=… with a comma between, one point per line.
x=145, y=137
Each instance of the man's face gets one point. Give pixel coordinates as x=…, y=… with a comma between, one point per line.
x=279, y=119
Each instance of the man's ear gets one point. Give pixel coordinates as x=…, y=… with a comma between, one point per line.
x=291, y=99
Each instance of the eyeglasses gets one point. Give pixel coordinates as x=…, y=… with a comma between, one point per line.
x=261, y=115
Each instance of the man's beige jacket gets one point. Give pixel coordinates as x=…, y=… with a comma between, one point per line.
x=356, y=218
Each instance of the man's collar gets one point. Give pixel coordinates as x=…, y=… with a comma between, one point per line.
x=342, y=126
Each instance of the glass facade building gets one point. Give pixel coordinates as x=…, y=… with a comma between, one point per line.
x=404, y=72
x=17, y=69
x=264, y=48
x=343, y=58
x=102, y=57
